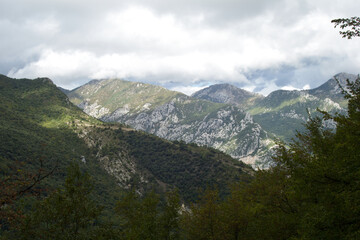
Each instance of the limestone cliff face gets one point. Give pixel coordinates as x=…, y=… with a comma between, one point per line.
x=227, y=128
x=117, y=162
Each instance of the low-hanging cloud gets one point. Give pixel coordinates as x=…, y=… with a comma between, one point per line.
x=182, y=45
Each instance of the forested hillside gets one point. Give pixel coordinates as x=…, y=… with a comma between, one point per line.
x=39, y=122
x=43, y=133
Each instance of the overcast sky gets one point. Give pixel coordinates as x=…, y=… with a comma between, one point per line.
x=184, y=45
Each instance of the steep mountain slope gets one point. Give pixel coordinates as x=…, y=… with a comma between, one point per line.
x=226, y=128
x=35, y=134
x=282, y=112
x=331, y=89
x=39, y=122
x=99, y=98
x=175, y=116
x=226, y=93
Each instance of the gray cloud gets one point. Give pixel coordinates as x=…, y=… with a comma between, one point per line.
x=260, y=45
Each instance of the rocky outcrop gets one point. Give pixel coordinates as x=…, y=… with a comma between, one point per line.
x=227, y=128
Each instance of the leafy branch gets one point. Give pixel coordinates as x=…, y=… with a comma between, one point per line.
x=351, y=24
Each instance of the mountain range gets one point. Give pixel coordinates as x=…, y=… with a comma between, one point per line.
x=41, y=129
x=240, y=123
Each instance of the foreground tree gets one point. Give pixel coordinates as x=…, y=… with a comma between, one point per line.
x=145, y=217
x=170, y=216
x=351, y=24
x=199, y=222
x=323, y=167
x=14, y=186
x=68, y=213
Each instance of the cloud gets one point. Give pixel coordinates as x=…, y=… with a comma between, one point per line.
x=187, y=90
x=291, y=88
x=259, y=45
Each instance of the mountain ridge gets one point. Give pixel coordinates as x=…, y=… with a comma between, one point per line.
x=39, y=120
x=175, y=116
x=199, y=118
x=227, y=93
x=283, y=111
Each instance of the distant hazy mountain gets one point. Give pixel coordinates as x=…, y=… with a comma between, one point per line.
x=331, y=89
x=175, y=116
x=226, y=93
x=283, y=112
x=66, y=91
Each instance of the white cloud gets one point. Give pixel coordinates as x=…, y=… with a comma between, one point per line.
x=177, y=43
x=188, y=90
x=306, y=87
x=289, y=88
x=268, y=87
x=62, y=67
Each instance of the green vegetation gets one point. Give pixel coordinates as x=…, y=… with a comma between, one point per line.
x=189, y=168
x=275, y=108
x=37, y=132
x=68, y=213
x=39, y=122
x=282, y=113
x=195, y=110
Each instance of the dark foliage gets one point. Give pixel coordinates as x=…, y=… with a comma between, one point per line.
x=352, y=24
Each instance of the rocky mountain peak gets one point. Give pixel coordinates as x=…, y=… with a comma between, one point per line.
x=331, y=89
x=227, y=93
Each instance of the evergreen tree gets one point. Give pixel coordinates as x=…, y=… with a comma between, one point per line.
x=139, y=215
x=146, y=218
x=169, y=228
x=203, y=220
x=68, y=213
x=323, y=167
